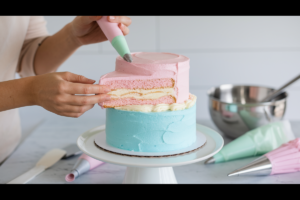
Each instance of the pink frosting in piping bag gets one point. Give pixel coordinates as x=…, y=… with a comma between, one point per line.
x=148, y=65
x=286, y=158
x=111, y=30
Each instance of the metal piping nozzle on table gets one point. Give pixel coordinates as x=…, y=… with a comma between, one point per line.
x=284, y=159
x=83, y=164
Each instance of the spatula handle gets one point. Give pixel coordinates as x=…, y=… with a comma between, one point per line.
x=27, y=176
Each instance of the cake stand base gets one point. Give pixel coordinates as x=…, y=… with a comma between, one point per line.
x=150, y=170
x=143, y=175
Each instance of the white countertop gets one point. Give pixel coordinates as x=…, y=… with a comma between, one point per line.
x=59, y=132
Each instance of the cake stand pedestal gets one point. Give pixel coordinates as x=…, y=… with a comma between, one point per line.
x=151, y=170
x=149, y=175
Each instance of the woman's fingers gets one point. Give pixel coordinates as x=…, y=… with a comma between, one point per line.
x=56, y=92
x=78, y=88
x=94, y=18
x=70, y=114
x=86, y=20
x=124, y=29
x=75, y=115
x=80, y=104
x=119, y=19
x=75, y=78
x=79, y=100
x=74, y=109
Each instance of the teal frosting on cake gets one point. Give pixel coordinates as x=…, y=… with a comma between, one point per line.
x=151, y=131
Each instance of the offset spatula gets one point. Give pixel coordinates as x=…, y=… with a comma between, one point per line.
x=49, y=159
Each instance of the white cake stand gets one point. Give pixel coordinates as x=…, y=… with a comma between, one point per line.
x=151, y=170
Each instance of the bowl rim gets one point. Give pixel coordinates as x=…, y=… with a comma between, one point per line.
x=247, y=104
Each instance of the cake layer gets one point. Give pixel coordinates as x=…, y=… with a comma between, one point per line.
x=151, y=131
x=161, y=107
x=132, y=101
x=150, y=71
x=141, y=93
x=140, y=84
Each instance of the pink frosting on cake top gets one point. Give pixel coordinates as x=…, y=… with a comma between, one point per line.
x=148, y=65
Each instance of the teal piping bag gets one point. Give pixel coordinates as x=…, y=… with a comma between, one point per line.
x=256, y=142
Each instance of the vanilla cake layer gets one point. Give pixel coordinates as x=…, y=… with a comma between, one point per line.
x=151, y=131
x=141, y=93
x=132, y=101
x=161, y=107
x=121, y=97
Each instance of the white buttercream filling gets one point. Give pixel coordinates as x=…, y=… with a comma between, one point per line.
x=142, y=93
x=160, y=107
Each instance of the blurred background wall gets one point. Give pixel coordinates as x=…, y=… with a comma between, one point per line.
x=254, y=50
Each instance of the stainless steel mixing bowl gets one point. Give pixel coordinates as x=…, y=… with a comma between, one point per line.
x=235, y=109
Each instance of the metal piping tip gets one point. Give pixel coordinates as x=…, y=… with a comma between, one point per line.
x=75, y=173
x=235, y=173
x=210, y=161
x=258, y=167
x=127, y=57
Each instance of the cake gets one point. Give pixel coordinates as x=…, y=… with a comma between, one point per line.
x=151, y=109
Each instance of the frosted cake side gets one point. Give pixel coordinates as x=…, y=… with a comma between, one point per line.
x=151, y=131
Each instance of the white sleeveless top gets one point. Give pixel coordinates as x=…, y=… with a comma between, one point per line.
x=19, y=40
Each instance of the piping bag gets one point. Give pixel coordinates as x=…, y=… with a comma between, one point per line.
x=255, y=142
x=284, y=159
x=83, y=164
x=116, y=37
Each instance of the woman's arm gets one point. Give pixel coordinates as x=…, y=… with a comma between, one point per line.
x=16, y=93
x=83, y=30
x=54, y=50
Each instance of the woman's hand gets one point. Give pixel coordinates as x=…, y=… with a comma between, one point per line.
x=55, y=49
x=56, y=93
x=86, y=30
